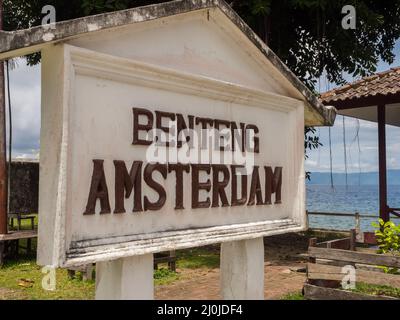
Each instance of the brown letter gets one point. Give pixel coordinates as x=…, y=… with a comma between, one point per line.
x=159, y=116
x=256, y=138
x=238, y=136
x=181, y=125
x=138, y=127
x=148, y=178
x=98, y=190
x=234, y=200
x=125, y=182
x=204, y=121
x=219, y=186
x=179, y=168
x=255, y=188
x=197, y=186
x=219, y=137
x=273, y=184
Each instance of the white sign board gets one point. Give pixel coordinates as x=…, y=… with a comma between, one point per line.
x=110, y=187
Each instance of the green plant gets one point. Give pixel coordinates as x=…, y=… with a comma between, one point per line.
x=388, y=238
x=293, y=296
x=377, y=290
x=164, y=276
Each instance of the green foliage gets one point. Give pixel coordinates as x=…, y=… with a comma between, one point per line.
x=388, y=238
x=97, y=6
x=306, y=34
x=377, y=290
x=311, y=141
x=207, y=257
x=164, y=276
x=293, y=296
x=22, y=279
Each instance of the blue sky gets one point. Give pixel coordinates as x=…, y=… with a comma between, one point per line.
x=367, y=155
x=25, y=93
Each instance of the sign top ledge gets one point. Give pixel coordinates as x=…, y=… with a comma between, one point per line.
x=22, y=42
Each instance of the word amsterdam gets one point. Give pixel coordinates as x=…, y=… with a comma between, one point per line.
x=211, y=179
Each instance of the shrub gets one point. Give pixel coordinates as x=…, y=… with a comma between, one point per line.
x=388, y=239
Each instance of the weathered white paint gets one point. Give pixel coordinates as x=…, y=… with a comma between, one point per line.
x=202, y=43
x=199, y=63
x=125, y=279
x=242, y=270
x=88, y=98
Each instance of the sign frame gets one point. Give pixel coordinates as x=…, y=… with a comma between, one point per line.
x=74, y=60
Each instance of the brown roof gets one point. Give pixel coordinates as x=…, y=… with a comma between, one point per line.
x=383, y=84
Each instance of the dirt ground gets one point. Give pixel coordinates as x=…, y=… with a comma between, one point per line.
x=282, y=263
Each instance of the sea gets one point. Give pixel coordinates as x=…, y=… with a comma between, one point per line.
x=347, y=199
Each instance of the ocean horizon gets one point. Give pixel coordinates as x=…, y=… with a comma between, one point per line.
x=363, y=199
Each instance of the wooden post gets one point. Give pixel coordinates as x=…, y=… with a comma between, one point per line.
x=242, y=270
x=353, y=236
x=3, y=160
x=358, y=222
x=383, y=208
x=312, y=242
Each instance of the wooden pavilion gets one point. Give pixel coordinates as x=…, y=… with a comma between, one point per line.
x=374, y=98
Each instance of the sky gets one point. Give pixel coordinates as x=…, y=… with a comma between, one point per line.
x=359, y=159
x=25, y=99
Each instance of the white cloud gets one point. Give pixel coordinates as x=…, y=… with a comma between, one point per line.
x=25, y=103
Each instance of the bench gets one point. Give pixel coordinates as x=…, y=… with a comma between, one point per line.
x=85, y=270
x=165, y=257
x=10, y=242
x=19, y=217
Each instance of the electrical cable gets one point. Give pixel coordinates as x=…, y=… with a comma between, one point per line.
x=330, y=158
x=345, y=151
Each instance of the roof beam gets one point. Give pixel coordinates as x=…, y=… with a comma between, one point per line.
x=368, y=101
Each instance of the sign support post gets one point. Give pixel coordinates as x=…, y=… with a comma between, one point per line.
x=3, y=157
x=125, y=279
x=242, y=270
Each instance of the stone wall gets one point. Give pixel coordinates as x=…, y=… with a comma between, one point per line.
x=24, y=190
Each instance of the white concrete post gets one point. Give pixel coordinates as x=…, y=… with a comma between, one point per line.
x=242, y=270
x=125, y=279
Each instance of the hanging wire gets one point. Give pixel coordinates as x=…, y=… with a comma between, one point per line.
x=345, y=151
x=319, y=149
x=330, y=158
x=357, y=140
x=359, y=152
x=10, y=134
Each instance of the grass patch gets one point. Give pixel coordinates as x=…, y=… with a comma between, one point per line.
x=204, y=257
x=24, y=278
x=164, y=276
x=25, y=223
x=293, y=296
x=377, y=290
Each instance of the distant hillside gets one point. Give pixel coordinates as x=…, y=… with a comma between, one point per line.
x=365, y=178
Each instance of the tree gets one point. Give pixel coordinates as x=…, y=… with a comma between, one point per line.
x=306, y=34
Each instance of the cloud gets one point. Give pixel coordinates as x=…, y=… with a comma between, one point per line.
x=25, y=98
x=25, y=102
x=364, y=157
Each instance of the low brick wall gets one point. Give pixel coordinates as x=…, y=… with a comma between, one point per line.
x=24, y=187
